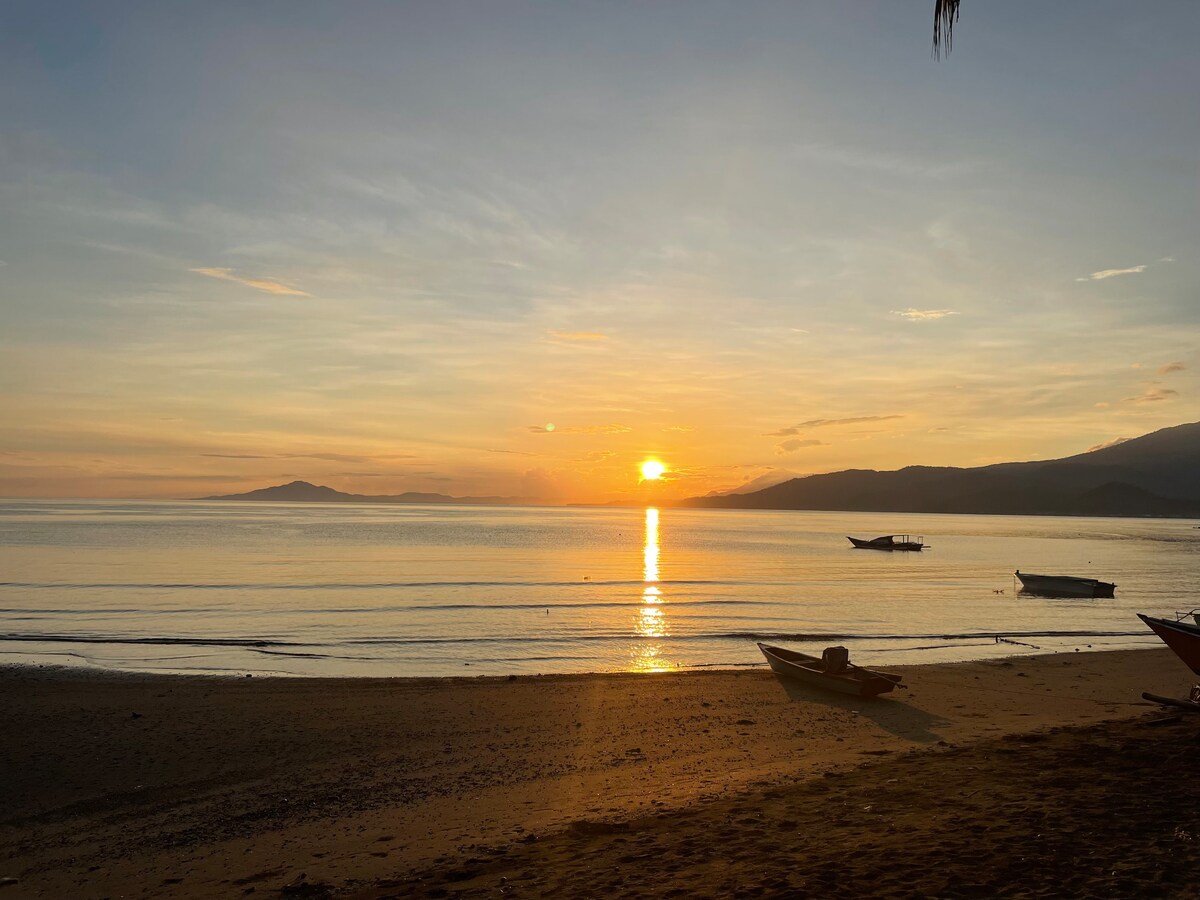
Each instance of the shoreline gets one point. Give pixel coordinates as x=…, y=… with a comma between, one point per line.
x=150, y=786
x=986, y=646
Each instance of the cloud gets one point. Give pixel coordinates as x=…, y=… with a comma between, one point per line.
x=578, y=335
x=1171, y=367
x=513, y=452
x=1167, y=259
x=1106, y=445
x=795, y=444
x=332, y=457
x=1153, y=394
x=550, y=428
x=259, y=284
x=682, y=429
x=145, y=476
x=824, y=423
x=1113, y=273
x=923, y=315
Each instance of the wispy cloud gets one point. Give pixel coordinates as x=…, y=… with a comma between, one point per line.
x=259, y=284
x=791, y=446
x=1106, y=444
x=550, y=428
x=578, y=335
x=1113, y=273
x=330, y=457
x=1153, y=394
x=1171, y=367
x=923, y=315
x=596, y=456
x=823, y=423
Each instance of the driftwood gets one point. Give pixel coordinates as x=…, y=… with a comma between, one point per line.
x=1189, y=705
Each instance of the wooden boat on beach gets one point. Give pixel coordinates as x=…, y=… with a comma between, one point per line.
x=1181, y=636
x=1064, y=585
x=831, y=670
x=888, y=542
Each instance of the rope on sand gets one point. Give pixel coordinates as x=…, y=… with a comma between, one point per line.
x=1004, y=640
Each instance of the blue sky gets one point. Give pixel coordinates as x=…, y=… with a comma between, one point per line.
x=384, y=246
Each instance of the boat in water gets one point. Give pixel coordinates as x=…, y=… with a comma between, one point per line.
x=888, y=542
x=832, y=670
x=1181, y=636
x=1064, y=585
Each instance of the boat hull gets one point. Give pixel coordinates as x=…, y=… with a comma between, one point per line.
x=1065, y=586
x=877, y=544
x=1182, y=638
x=856, y=680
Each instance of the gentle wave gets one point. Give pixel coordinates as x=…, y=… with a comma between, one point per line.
x=580, y=639
x=358, y=585
x=333, y=610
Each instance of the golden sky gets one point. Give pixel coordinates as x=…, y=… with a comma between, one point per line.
x=516, y=250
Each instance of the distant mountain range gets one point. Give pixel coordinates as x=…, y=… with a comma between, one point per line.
x=1157, y=474
x=304, y=492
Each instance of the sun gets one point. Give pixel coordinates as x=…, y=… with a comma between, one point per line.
x=652, y=470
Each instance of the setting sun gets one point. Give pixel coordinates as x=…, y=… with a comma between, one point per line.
x=652, y=470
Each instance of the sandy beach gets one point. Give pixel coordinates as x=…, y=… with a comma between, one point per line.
x=1031, y=776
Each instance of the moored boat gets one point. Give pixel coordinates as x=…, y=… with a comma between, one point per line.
x=1064, y=585
x=1183, y=638
x=831, y=670
x=888, y=542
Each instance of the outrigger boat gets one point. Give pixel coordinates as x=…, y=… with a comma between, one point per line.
x=1181, y=636
x=888, y=542
x=1064, y=585
x=832, y=670
x=1184, y=640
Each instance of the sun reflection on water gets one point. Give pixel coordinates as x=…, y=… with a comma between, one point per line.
x=651, y=618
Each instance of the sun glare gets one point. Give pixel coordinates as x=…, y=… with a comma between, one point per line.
x=652, y=470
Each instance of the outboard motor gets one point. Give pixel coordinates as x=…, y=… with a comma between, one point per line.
x=835, y=659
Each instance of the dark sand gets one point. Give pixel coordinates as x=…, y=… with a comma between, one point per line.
x=1036, y=776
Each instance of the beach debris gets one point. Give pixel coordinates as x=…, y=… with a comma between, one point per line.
x=1190, y=705
x=302, y=887
x=1004, y=640
x=7, y=882
x=135, y=715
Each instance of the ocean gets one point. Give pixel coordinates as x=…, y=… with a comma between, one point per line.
x=374, y=590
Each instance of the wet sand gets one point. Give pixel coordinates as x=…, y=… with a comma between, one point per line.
x=1035, y=775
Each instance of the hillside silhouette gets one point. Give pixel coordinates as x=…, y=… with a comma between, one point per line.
x=1157, y=474
x=306, y=492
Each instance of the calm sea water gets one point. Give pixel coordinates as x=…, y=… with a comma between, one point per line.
x=452, y=590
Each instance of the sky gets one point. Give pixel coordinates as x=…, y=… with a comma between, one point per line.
x=515, y=249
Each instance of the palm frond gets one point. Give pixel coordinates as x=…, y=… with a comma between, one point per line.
x=945, y=14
